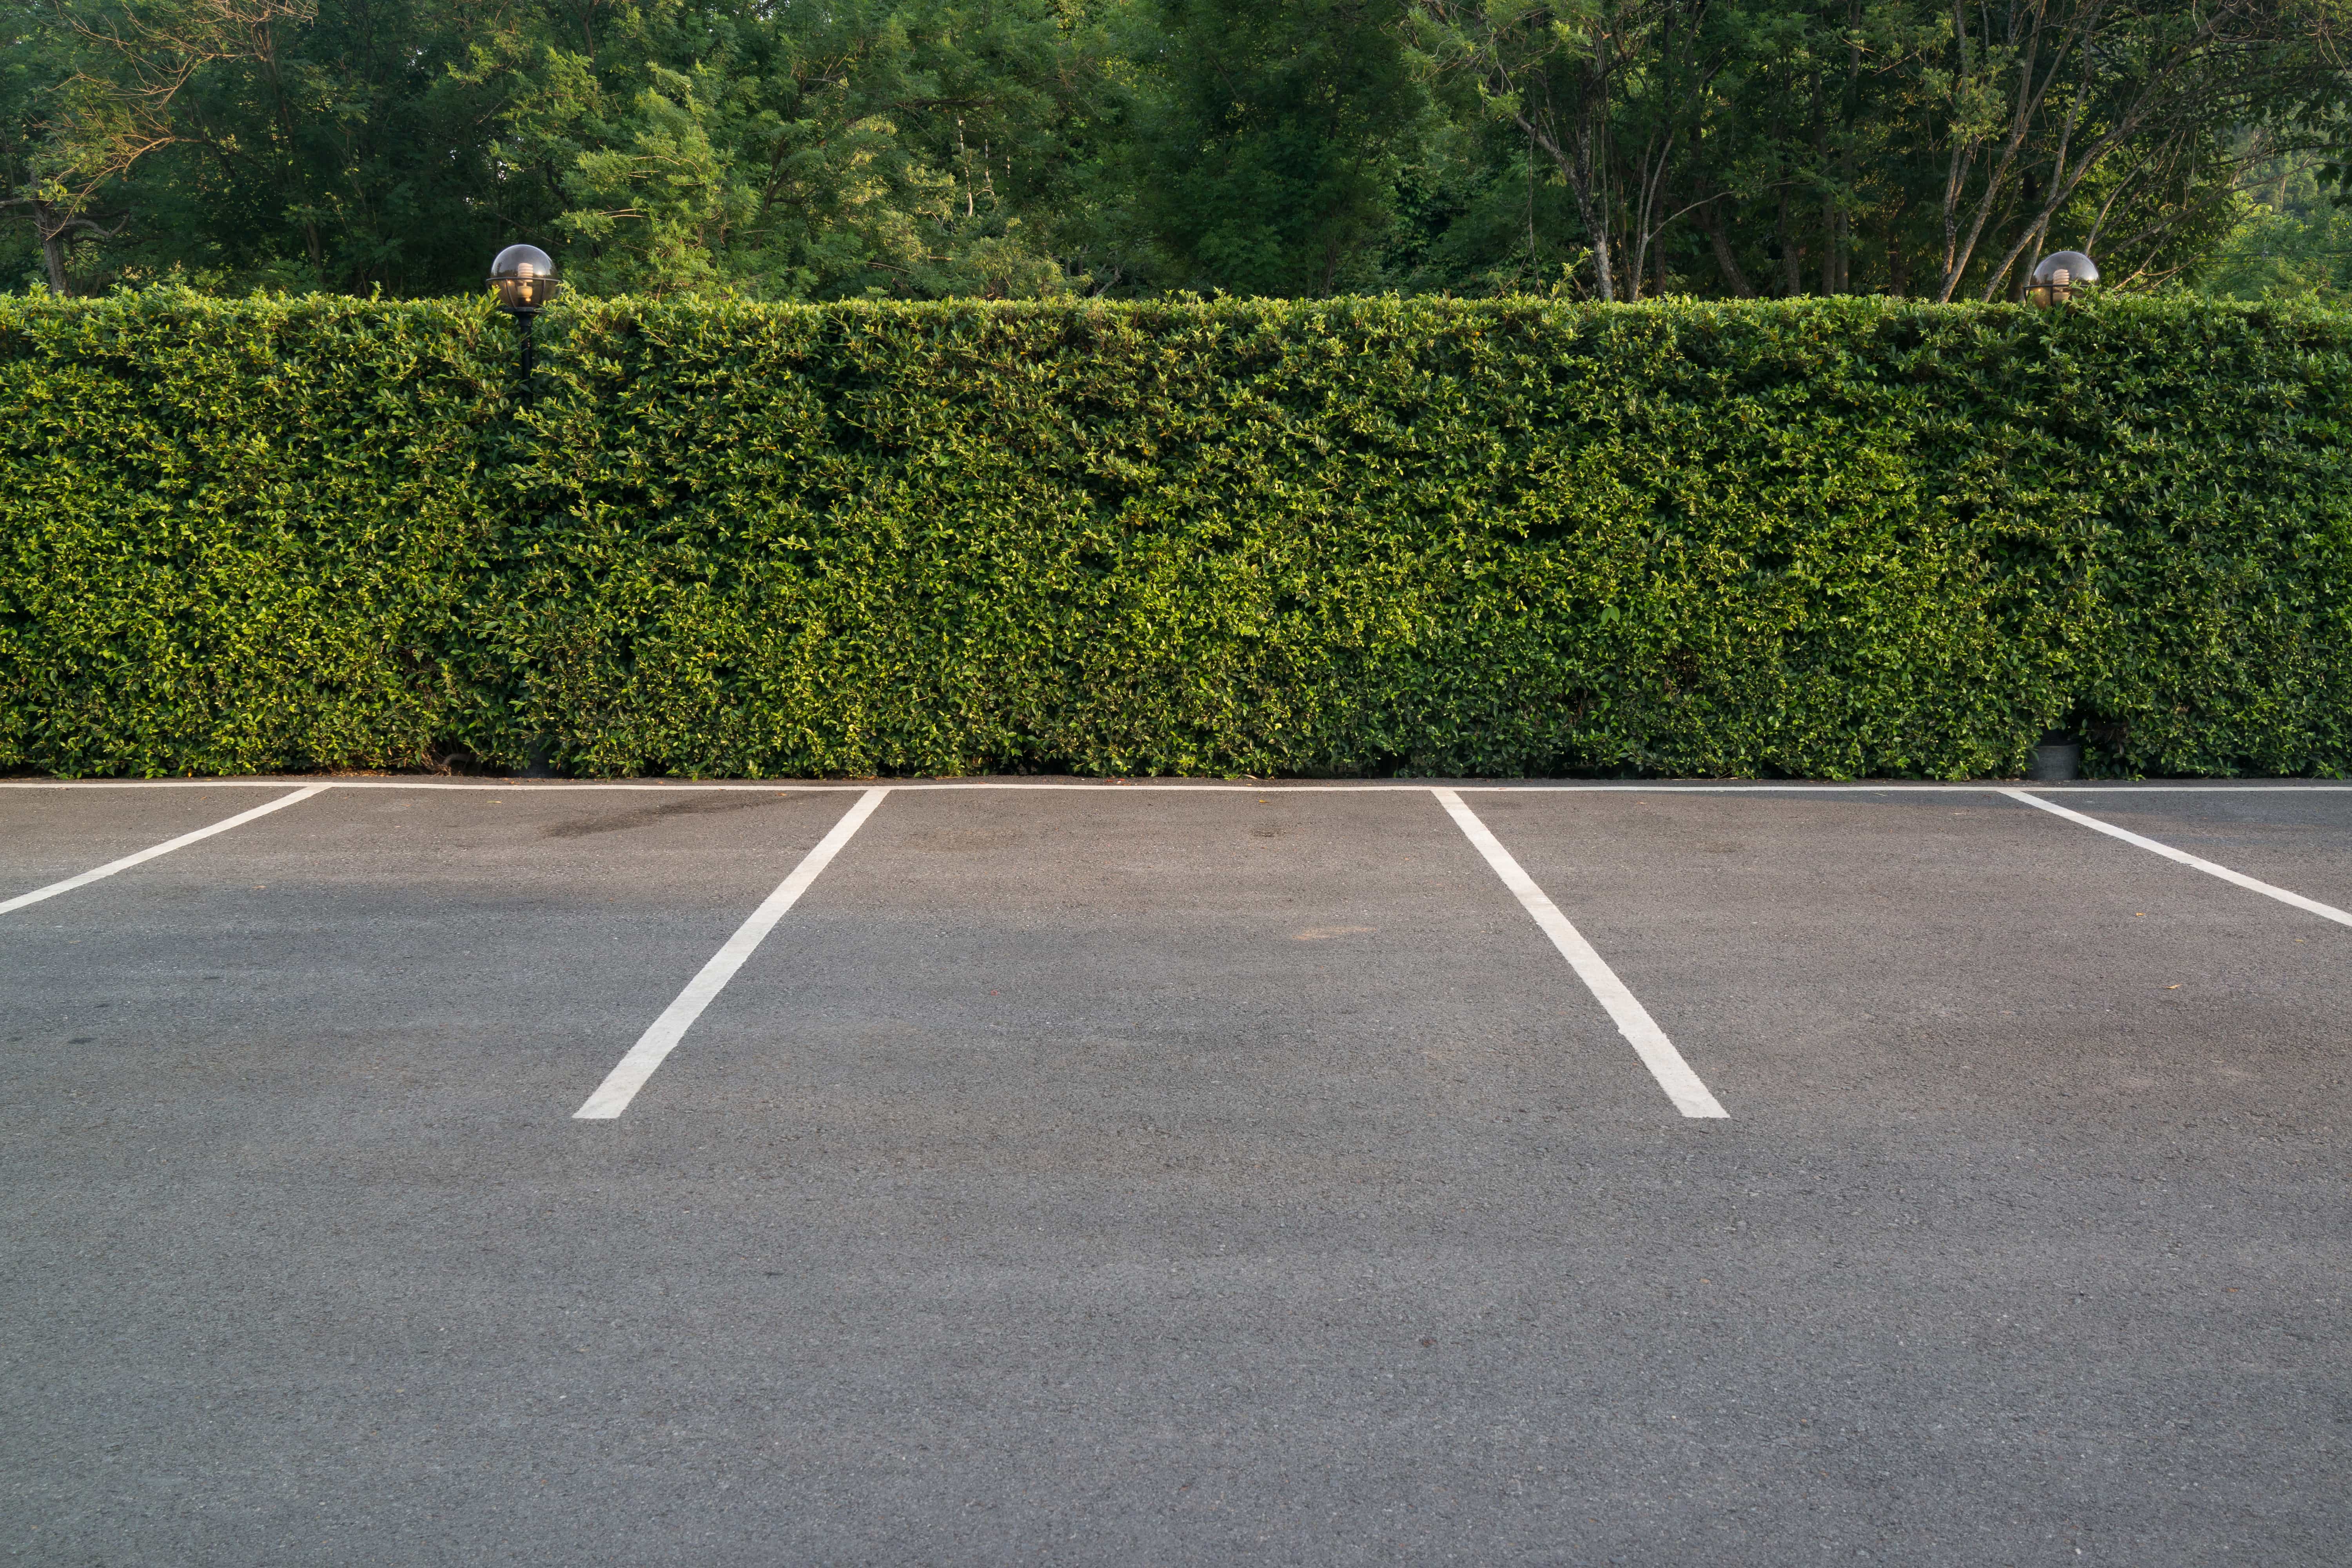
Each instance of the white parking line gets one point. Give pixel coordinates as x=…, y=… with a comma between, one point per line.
x=621, y=1085
x=1192, y=786
x=1683, y=1086
x=2324, y=911
x=181, y=842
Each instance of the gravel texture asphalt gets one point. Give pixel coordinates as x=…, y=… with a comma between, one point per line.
x=1160, y=1176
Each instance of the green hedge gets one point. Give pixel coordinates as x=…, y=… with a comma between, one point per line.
x=1828, y=538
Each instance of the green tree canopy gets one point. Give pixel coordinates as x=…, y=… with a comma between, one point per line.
x=817, y=149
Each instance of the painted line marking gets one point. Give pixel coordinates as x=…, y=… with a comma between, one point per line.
x=181, y=842
x=1202, y=787
x=621, y=1085
x=1683, y=1086
x=2324, y=911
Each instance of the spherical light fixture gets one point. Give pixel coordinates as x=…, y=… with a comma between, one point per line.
x=525, y=279
x=2056, y=277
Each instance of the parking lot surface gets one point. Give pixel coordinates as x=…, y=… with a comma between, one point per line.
x=498, y=1172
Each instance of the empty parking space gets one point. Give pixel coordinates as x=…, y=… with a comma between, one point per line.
x=1875, y=954
x=2297, y=838
x=1118, y=1174
x=1076, y=972
x=59, y=837
x=476, y=948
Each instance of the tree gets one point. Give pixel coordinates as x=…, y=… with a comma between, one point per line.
x=913, y=148
x=1271, y=162
x=1841, y=144
x=32, y=70
x=266, y=140
x=2050, y=95
x=816, y=149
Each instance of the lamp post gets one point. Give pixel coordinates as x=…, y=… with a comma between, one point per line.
x=2059, y=757
x=2055, y=277
x=525, y=279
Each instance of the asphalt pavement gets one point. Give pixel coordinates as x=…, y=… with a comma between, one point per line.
x=1125, y=1174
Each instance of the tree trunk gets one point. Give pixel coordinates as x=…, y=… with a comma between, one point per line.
x=1849, y=117
x=1577, y=170
x=1596, y=222
x=1792, y=277
x=1833, y=241
x=53, y=252
x=1726, y=261
x=1956, y=167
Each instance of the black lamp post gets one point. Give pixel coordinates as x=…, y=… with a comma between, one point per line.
x=2059, y=757
x=525, y=279
x=2057, y=277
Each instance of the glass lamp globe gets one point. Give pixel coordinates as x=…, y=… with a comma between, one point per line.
x=2057, y=276
x=525, y=279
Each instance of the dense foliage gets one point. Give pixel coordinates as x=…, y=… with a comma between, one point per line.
x=923, y=149
x=1826, y=538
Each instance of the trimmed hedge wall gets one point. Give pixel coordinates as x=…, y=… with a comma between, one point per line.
x=1829, y=538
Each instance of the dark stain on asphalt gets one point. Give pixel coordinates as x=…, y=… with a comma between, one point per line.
x=646, y=816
